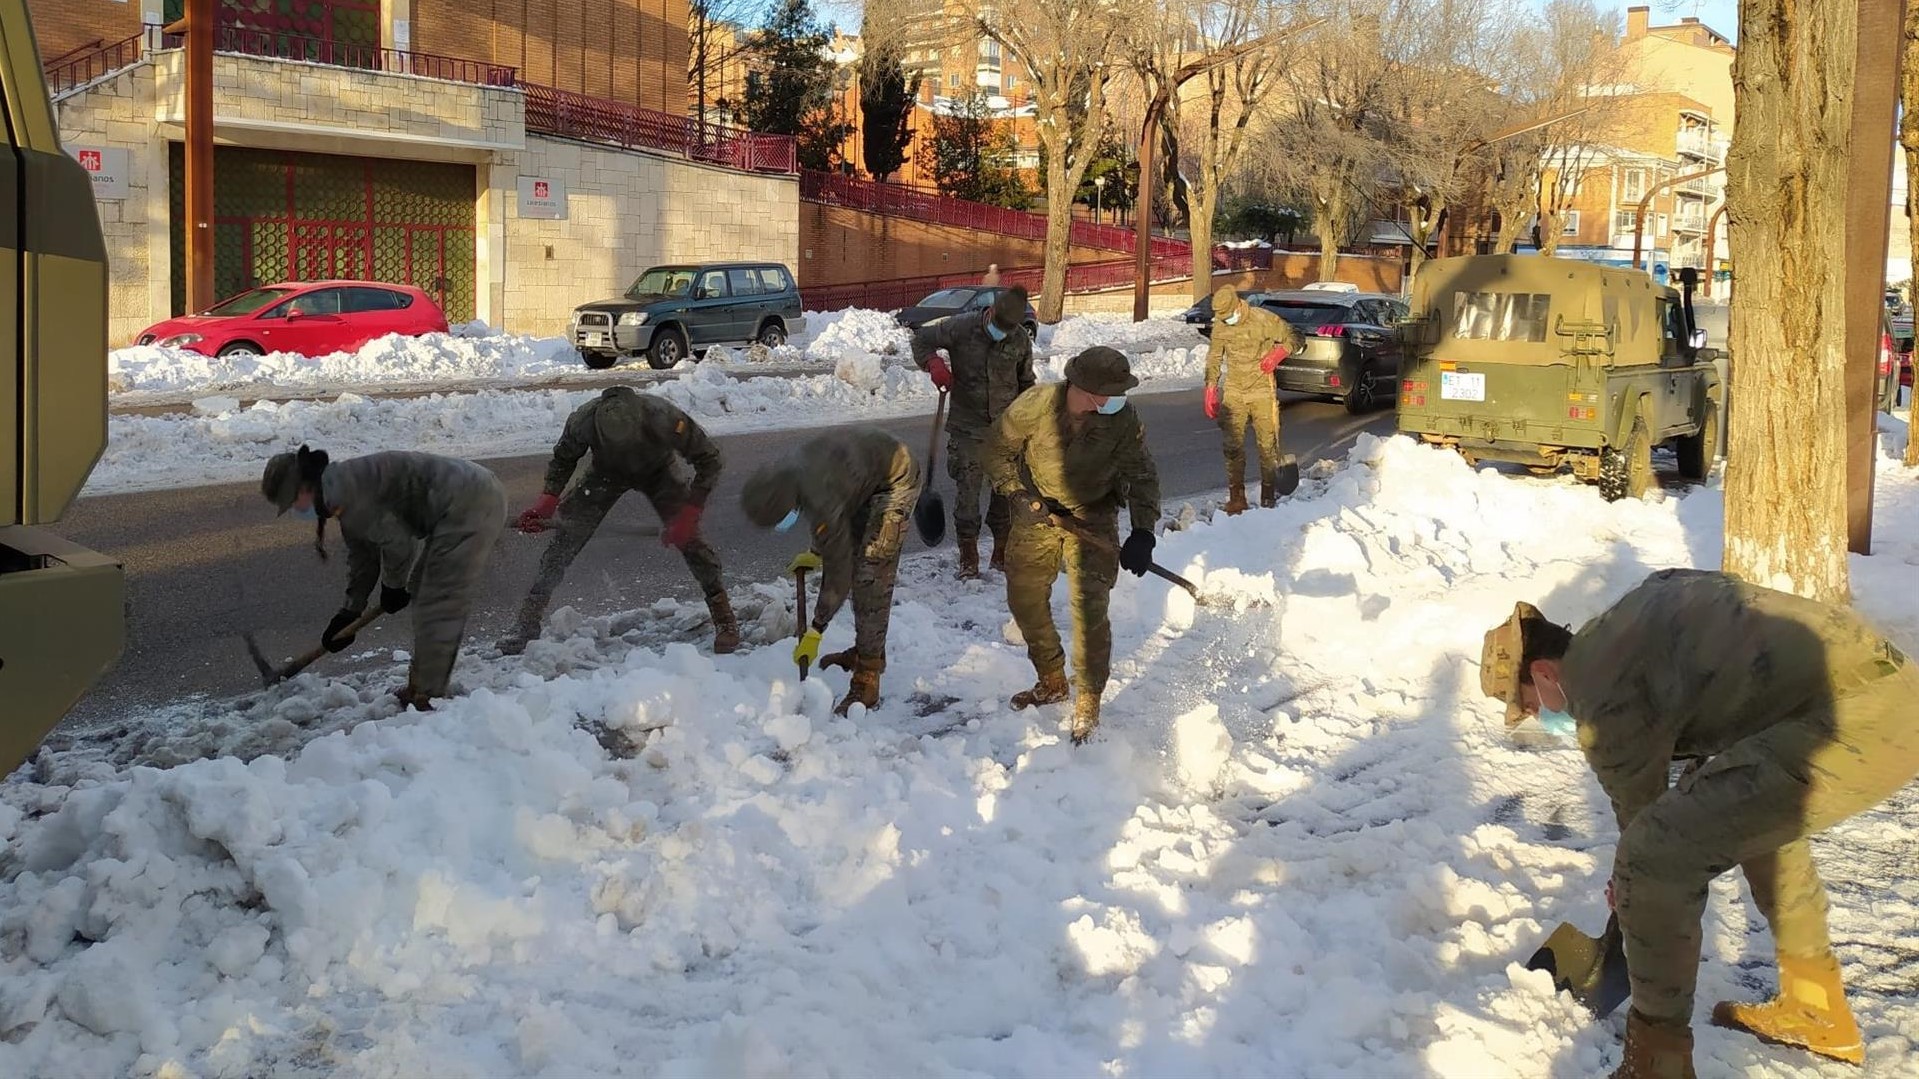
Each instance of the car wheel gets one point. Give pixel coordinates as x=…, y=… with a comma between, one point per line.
x=1697, y=451
x=600, y=361
x=1032, y=330
x=773, y=334
x=1361, y=398
x=241, y=348
x=668, y=348
x=1626, y=472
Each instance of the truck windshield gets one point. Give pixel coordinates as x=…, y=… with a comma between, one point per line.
x=663, y=282
x=1500, y=316
x=248, y=302
x=1308, y=316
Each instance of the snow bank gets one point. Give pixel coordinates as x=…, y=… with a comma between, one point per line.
x=830, y=334
x=1301, y=843
x=471, y=353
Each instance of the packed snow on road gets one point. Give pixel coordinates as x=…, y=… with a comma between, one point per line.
x=1302, y=842
x=869, y=376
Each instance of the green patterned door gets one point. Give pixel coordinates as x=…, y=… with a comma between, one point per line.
x=281, y=216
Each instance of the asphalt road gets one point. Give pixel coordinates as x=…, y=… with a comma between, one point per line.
x=205, y=564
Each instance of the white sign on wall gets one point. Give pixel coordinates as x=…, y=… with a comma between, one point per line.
x=107, y=168
x=542, y=198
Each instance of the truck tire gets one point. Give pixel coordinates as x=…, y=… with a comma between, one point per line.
x=1626, y=472
x=599, y=361
x=668, y=348
x=1697, y=451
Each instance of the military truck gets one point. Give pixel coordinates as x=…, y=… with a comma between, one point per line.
x=1559, y=365
x=62, y=613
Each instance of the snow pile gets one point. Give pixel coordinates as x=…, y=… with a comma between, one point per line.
x=832, y=334
x=1301, y=843
x=1162, y=369
x=466, y=355
x=1081, y=332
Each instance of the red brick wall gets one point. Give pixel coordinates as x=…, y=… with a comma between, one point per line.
x=64, y=25
x=631, y=51
x=848, y=246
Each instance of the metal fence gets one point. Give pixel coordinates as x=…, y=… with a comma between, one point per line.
x=76, y=70
x=552, y=111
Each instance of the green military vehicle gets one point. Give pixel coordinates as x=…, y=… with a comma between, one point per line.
x=62, y=615
x=1559, y=365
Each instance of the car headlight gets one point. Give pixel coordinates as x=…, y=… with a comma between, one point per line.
x=633, y=318
x=180, y=340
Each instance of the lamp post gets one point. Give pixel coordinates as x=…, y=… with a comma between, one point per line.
x=1099, y=188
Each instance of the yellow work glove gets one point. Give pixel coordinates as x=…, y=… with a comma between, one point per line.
x=808, y=650
x=805, y=560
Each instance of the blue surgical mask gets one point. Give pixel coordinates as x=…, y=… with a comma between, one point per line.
x=1113, y=405
x=787, y=522
x=306, y=513
x=993, y=331
x=1558, y=724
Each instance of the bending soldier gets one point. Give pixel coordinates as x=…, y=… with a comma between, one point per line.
x=636, y=439
x=1802, y=714
x=855, y=487
x=414, y=523
x=986, y=360
x=1248, y=342
x=1068, y=456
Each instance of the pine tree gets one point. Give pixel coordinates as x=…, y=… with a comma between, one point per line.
x=789, y=85
x=973, y=156
x=886, y=103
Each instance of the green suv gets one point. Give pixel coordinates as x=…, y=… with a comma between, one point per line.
x=673, y=312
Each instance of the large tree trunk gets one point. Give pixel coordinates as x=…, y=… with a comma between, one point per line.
x=1786, y=199
x=1060, y=184
x=1201, y=232
x=1424, y=219
x=1511, y=227
x=1909, y=138
x=1332, y=218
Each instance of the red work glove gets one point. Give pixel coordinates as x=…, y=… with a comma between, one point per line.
x=1273, y=359
x=683, y=529
x=533, y=521
x=942, y=374
x=1212, y=402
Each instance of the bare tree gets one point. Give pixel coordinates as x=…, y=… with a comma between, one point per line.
x=716, y=36
x=1786, y=524
x=1909, y=141
x=1577, y=71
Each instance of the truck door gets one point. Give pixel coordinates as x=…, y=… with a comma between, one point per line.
x=1673, y=383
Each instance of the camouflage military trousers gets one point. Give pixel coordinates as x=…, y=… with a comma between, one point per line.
x=1239, y=409
x=1755, y=806
x=444, y=577
x=878, y=570
x=965, y=463
x=581, y=512
x=1037, y=550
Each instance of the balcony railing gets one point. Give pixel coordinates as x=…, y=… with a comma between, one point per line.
x=275, y=45
x=77, y=69
x=551, y=111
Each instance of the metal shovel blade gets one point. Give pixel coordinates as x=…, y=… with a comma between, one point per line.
x=929, y=517
x=1592, y=969
x=1288, y=479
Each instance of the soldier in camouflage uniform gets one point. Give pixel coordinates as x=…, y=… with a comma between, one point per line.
x=415, y=524
x=855, y=487
x=1247, y=343
x=1073, y=454
x=636, y=440
x=1802, y=714
x=987, y=361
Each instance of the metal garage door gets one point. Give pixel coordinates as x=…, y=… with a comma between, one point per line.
x=281, y=216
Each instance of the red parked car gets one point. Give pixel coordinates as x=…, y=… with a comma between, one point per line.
x=308, y=318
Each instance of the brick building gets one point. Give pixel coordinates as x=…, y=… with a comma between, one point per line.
x=404, y=140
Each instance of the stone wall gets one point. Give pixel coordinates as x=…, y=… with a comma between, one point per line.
x=625, y=211
x=117, y=114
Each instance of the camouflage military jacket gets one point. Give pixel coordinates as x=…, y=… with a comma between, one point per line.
x=1238, y=348
x=634, y=438
x=385, y=503
x=1091, y=464
x=987, y=374
x=846, y=475
x=1691, y=661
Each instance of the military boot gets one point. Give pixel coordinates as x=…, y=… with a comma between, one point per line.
x=1051, y=687
x=968, y=558
x=1268, y=491
x=865, y=686
x=1085, y=717
x=998, y=561
x=1235, y=500
x=843, y=660
x=1655, y=1049
x=525, y=629
x=726, y=628
x=1810, y=1011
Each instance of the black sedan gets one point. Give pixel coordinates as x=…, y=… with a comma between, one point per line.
x=953, y=301
x=1201, y=313
x=1352, y=349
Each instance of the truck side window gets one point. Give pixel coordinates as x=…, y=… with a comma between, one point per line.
x=1501, y=316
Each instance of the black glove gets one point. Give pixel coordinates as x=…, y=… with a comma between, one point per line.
x=1136, y=554
x=331, y=639
x=394, y=600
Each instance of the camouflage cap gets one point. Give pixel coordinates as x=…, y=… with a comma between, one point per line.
x=1009, y=308
x=770, y=494
x=280, y=482
x=1225, y=301
x=1101, y=371
x=1500, y=659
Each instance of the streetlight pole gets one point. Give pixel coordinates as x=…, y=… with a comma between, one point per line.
x=1099, y=188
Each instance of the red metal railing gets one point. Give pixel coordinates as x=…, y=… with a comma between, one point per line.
x=833, y=189
x=81, y=68
x=551, y=111
x=275, y=45
x=905, y=291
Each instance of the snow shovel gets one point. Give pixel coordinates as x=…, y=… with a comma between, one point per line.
x=1287, y=480
x=1592, y=969
x=271, y=675
x=929, y=513
x=799, y=611
x=1155, y=568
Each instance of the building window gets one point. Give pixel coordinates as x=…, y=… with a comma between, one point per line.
x=989, y=50
x=1625, y=220
x=1633, y=184
x=952, y=82
x=1665, y=224
x=1570, y=225
x=1012, y=81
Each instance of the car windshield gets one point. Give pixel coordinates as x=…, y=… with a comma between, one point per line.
x=248, y=302
x=953, y=298
x=666, y=281
x=1307, y=316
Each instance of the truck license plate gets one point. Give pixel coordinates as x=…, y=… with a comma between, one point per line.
x=1461, y=386
x=596, y=340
